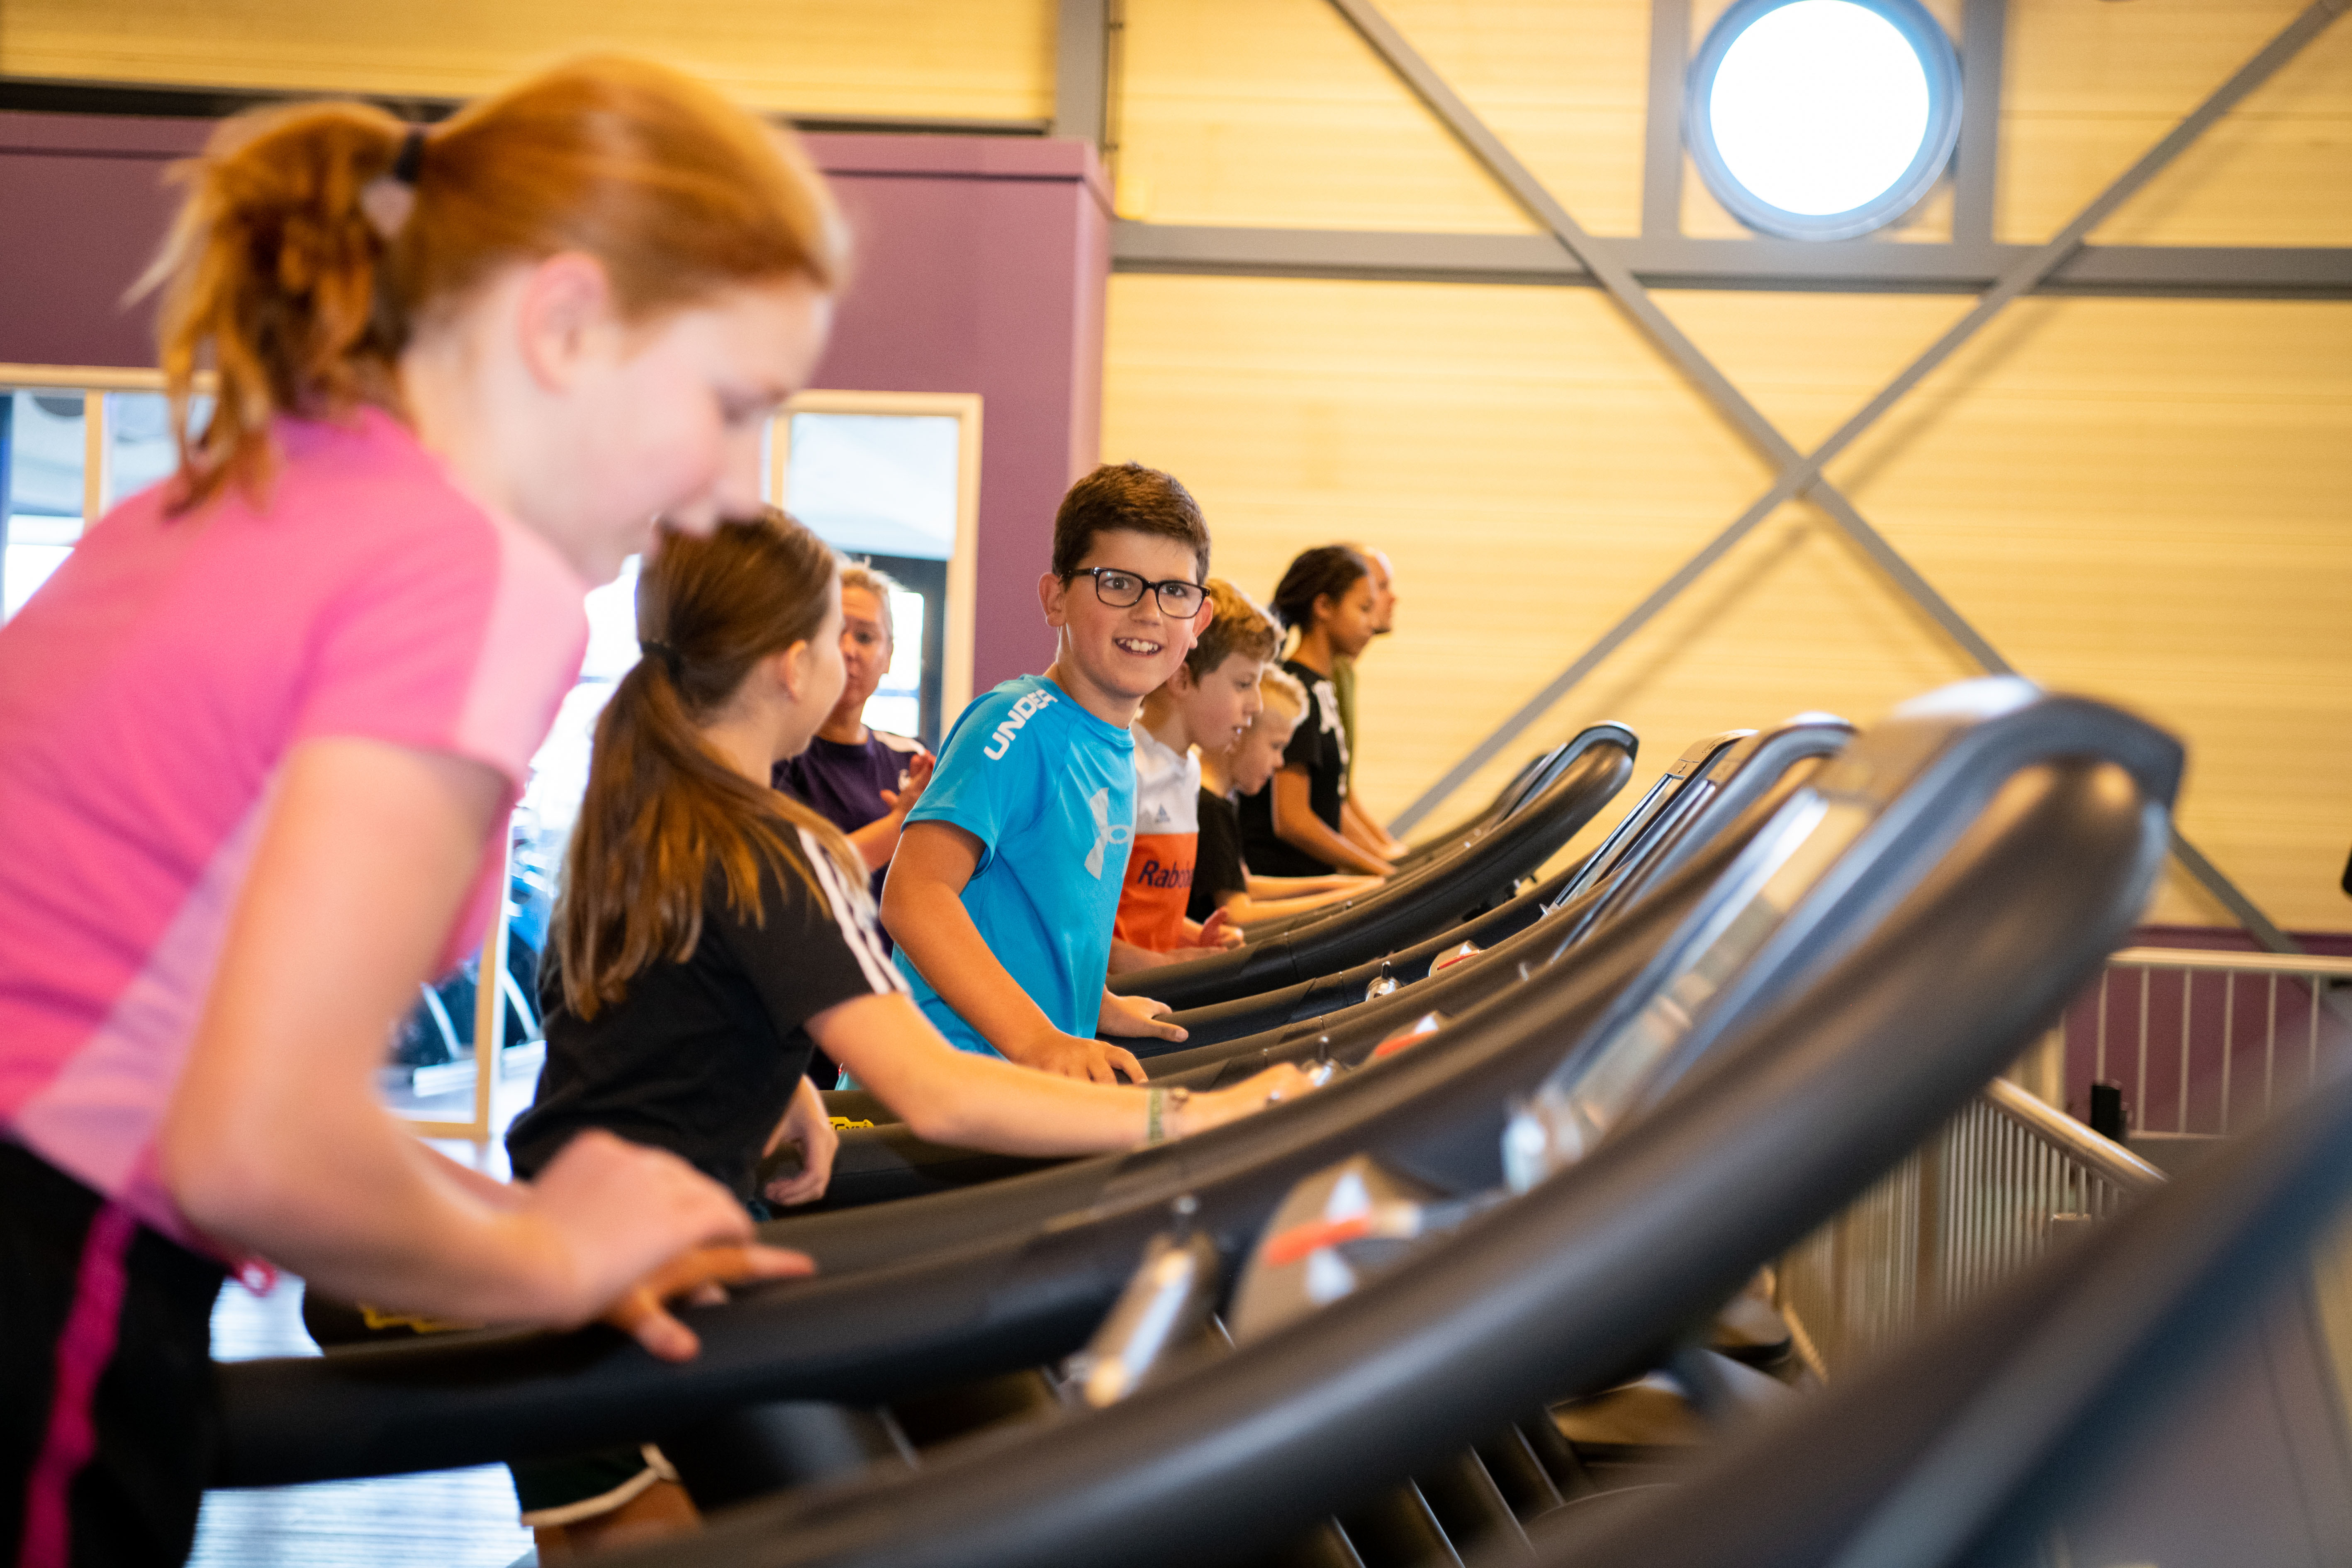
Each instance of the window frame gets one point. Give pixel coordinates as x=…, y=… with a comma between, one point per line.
x=1939, y=61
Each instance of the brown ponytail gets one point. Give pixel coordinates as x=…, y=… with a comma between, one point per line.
x=274, y=273
x=661, y=808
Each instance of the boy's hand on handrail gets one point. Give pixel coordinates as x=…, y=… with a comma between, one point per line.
x=1135, y=1017
x=1218, y=932
x=1072, y=1056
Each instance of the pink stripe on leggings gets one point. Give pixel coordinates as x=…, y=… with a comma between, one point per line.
x=83, y=1349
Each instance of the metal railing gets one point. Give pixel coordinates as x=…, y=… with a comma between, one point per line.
x=2204, y=1043
x=1981, y=1200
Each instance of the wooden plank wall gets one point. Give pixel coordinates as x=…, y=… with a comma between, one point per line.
x=2145, y=500
x=992, y=58
x=2150, y=500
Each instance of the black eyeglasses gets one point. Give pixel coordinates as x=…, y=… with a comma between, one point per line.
x=1120, y=589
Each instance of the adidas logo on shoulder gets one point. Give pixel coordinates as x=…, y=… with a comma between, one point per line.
x=1001, y=741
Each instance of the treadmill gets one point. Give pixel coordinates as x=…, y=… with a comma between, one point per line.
x=1890, y=950
x=964, y=1284
x=1020, y=1273
x=1530, y=781
x=1727, y=774
x=1404, y=910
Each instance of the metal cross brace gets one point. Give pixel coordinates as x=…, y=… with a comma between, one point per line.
x=1800, y=474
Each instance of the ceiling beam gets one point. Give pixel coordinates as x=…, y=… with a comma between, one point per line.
x=1858, y=266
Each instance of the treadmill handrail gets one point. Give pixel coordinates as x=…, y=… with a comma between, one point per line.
x=1364, y=926
x=1569, y=1285
x=1041, y=1303
x=1941, y=1450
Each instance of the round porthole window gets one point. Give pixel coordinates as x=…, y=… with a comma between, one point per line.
x=1823, y=119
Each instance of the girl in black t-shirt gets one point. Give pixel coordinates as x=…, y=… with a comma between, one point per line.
x=1292, y=827
x=713, y=931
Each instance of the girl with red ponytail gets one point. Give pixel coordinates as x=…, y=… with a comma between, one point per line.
x=260, y=734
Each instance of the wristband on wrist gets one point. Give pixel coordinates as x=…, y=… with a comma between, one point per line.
x=1155, y=1108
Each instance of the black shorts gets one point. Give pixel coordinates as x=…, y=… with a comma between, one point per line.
x=108, y=1419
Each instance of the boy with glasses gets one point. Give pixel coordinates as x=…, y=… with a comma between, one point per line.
x=1006, y=881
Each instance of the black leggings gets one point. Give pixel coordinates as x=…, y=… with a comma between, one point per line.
x=108, y=1418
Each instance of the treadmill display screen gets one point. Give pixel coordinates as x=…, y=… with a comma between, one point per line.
x=1568, y=1118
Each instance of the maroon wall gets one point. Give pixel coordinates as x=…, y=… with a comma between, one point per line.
x=980, y=268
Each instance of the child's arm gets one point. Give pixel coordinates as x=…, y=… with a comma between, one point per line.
x=274, y=1139
x=1262, y=887
x=948, y=1095
x=1246, y=908
x=922, y=908
x=1295, y=824
x=1356, y=825
x=1202, y=938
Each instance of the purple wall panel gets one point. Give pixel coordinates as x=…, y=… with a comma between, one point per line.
x=980, y=268
x=82, y=208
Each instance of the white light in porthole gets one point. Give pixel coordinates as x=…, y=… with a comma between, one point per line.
x=1819, y=106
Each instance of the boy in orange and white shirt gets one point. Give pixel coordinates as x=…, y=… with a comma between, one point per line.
x=1208, y=702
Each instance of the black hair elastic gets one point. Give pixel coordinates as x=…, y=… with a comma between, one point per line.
x=410, y=158
x=666, y=654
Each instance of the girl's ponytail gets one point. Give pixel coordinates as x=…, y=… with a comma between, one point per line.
x=272, y=272
x=309, y=247
x=662, y=810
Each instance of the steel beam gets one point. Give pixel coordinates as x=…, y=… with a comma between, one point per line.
x=1661, y=140
x=1082, y=71
x=1845, y=267
x=1800, y=475
x=1984, y=26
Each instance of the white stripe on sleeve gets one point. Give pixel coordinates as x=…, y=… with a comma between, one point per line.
x=857, y=933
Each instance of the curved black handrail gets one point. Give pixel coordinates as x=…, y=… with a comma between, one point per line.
x=1316, y=995
x=1531, y=780
x=1726, y=784
x=888, y=1162
x=1967, y=1444
x=1407, y=909
x=925, y=1292
x=1572, y=1285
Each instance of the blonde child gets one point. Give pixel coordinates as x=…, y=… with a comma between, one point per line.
x=1221, y=879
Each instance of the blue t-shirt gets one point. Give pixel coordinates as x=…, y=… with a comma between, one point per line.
x=1049, y=790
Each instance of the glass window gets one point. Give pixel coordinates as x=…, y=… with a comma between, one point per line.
x=897, y=704
x=1823, y=119
x=876, y=484
x=140, y=450
x=41, y=453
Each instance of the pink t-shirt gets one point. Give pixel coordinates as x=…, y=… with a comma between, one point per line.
x=149, y=696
